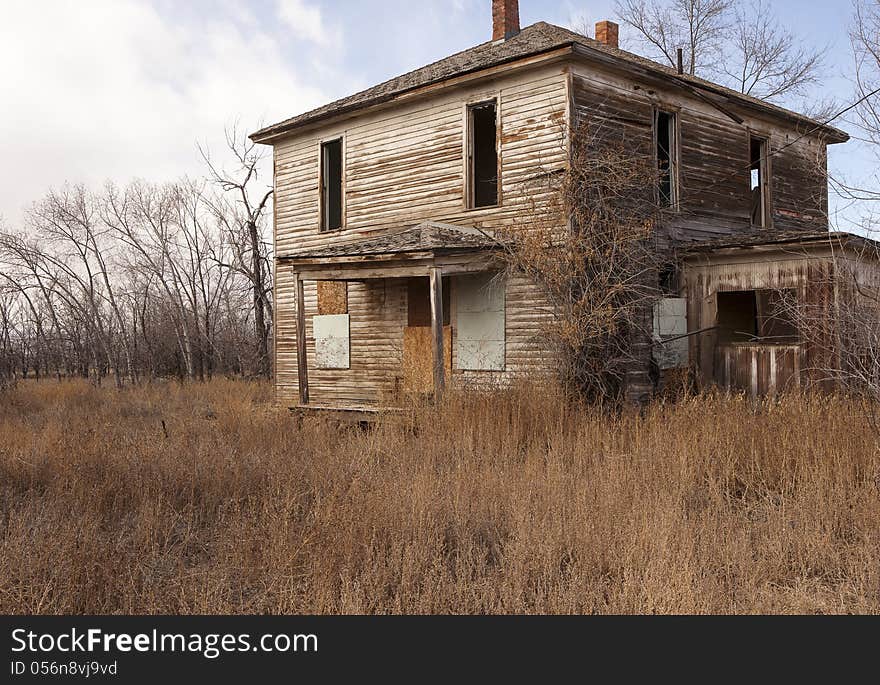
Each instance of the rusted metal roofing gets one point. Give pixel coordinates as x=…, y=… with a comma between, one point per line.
x=532, y=40
x=425, y=237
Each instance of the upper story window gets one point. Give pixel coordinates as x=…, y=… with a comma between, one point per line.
x=331, y=185
x=483, y=154
x=759, y=181
x=666, y=141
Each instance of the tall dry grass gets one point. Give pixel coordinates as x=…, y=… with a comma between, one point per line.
x=506, y=503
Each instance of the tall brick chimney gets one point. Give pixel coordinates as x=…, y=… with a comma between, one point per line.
x=505, y=19
x=609, y=33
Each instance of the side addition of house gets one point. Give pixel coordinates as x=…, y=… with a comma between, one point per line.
x=388, y=281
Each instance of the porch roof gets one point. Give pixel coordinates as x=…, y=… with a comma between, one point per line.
x=780, y=240
x=428, y=236
x=409, y=252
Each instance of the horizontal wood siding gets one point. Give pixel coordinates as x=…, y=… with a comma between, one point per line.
x=404, y=166
x=714, y=156
x=811, y=277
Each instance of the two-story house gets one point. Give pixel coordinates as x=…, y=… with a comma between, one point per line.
x=386, y=282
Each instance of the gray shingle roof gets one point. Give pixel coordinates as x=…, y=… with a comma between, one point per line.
x=429, y=236
x=532, y=40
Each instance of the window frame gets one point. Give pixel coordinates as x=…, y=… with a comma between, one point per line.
x=322, y=209
x=469, y=187
x=674, y=157
x=765, y=171
x=763, y=318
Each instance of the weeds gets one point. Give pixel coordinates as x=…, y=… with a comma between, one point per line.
x=512, y=502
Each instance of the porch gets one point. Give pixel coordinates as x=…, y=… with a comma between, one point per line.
x=415, y=266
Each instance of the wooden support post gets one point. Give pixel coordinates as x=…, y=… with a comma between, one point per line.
x=436, y=277
x=302, y=363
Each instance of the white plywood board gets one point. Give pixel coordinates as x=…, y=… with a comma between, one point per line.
x=480, y=322
x=670, y=322
x=481, y=355
x=483, y=292
x=332, y=341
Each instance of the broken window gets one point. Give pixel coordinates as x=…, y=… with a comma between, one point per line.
x=759, y=181
x=757, y=316
x=331, y=185
x=483, y=155
x=667, y=158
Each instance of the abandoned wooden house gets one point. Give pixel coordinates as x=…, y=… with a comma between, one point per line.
x=386, y=279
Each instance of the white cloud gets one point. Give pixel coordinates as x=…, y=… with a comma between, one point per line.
x=116, y=89
x=306, y=22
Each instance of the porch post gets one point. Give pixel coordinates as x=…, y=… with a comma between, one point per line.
x=302, y=363
x=436, y=277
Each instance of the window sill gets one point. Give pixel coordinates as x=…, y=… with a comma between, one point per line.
x=477, y=209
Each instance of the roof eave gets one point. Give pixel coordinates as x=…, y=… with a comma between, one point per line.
x=834, y=135
x=840, y=238
x=269, y=134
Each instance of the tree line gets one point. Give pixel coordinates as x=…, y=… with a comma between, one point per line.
x=142, y=281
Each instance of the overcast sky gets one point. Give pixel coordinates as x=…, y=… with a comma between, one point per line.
x=92, y=90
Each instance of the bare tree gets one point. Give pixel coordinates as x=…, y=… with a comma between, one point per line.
x=699, y=27
x=863, y=115
x=865, y=41
x=837, y=318
x=742, y=45
x=242, y=218
x=132, y=283
x=770, y=62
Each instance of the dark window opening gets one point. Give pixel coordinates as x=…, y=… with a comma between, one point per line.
x=757, y=316
x=483, y=170
x=667, y=159
x=758, y=181
x=668, y=280
x=331, y=185
x=419, y=302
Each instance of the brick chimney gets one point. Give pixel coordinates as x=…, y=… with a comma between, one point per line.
x=505, y=19
x=609, y=33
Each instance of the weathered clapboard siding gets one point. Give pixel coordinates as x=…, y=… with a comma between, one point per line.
x=403, y=166
x=800, y=185
x=810, y=273
x=406, y=165
x=714, y=162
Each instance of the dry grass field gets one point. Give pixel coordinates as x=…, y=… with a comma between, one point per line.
x=504, y=503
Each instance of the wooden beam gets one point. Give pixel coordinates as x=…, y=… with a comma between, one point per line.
x=302, y=362
x=365, y=272
x=436, y=281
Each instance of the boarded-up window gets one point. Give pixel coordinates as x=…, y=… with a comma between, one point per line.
x=483, y=154
x=332, y=341
x=419, y=302
x=479, y=322
x=332, y=297
x=331, y=185
x=670, y=331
